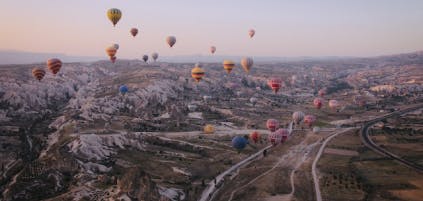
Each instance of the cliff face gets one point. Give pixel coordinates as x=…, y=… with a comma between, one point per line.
x=139, y=186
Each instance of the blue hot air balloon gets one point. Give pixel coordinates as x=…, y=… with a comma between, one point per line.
x=239, y=143
x=123, y=89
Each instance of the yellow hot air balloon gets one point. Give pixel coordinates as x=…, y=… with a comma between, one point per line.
x=228, y=65
x=247, y=63
x=114, y=15
x=197, y=73
x=208, y=129
x=111, y=51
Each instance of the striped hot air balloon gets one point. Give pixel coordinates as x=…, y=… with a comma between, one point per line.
x=114, y=15
x=38, y=73
x=54, y=65
x=197, y=73
x=228, y=65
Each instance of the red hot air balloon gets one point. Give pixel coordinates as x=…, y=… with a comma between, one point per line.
x=318, y=102
x=275, y=84
x=38, y=73
x=54, y=65
x=272, y=124
x=309, y=120
x=255, y=136
x=274, y=138
x=283, y=133
x=134, y=32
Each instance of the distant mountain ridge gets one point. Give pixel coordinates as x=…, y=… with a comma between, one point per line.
x=21, y=57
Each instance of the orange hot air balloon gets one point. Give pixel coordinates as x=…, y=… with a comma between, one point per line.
x=54, y=65
x=228, y=65
x=197, y=73
x=38, y=73
x=113, y=59
x=111, y=51
x=255, y=136
x=275, y=84
x=309, y=120
x=212, y=49
x=322, y=92
x=272, y=124
x=134, y=32
x=318, y=102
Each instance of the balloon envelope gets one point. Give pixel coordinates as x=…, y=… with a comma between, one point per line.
x=123, y=89
x=239, y=142
x=114, y=15
x=171, y=40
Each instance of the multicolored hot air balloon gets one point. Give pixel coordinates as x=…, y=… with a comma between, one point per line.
x=283, y=133
x=123, y=89
x=274, y=138
x=228, y=65
x=54, y=65
x=309, y=120
x=38, y=73
x=272, y=124
x=318, y=103
x=275, y=84
x=171, y=40
x=145, y=58
x=197, y=73
x=239, y=143
x=208, y=129
x=134, y=32
x=297, y=117
x=155, y=55
x=255, y=136
x=322, y=92
x=247, y=63
x=114, y=15
x=111, y=51
x=212, y=49
x=251, y=33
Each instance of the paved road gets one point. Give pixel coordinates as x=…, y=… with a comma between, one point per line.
x=372, y=145
x=211, y=189
x=313, y=167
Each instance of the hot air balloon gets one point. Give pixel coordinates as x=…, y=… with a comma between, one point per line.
x=197, y=73
x=38, y=73
x=54, y=65
x=134, y=32
x=114, y=15
x=155, y=55
x=274, y=138
x=111, y=51
x=284, y=133
x=275, y=84
x=272, y=124
x=316, y=129
x=208, y=129
x=333, y=104
x=212, y=49
x=113, y=59
x=171, y=40
x=116, y=46
x=253, y=100
x=228, y=65
x=192, y=107
x=247, y=63
x=318, y=103
x=255, y=136
x=309, y=120
x=293, y=80
x=251, y=33
x=239, y=143
x=297, y=117
x=123, y=89
x=145, y=58
x=322, y=92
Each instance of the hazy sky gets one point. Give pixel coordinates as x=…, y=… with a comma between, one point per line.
x=283, y=27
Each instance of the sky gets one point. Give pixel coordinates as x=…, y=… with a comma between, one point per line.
x=284, y=28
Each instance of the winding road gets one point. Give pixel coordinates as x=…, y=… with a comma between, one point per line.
x=365, y=138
